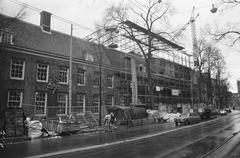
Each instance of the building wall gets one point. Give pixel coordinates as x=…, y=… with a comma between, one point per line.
x=34, y=46
x=30, y=85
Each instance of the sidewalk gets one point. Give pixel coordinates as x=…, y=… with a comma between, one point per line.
x=132, y=131
x=147, y=127
x=88, y=139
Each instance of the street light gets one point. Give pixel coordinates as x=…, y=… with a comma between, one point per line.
x=191, y=80
x=214, y=9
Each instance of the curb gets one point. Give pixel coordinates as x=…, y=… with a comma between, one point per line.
x=12, y=140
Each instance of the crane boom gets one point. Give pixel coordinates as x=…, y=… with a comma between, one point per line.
x=194, y=32
x=192, y=20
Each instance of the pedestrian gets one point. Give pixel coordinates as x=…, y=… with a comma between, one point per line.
x=113, y=119
x=107, y=122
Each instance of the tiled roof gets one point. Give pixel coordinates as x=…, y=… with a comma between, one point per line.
x=31, y=36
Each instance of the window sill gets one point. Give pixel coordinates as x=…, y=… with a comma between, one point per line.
x=40, y=115
x=20, y=79
x=63, y=83
x=42, y=81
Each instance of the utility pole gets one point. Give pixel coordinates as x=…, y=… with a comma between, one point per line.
x=191, y=80
x=100, y=86
x=70, y=72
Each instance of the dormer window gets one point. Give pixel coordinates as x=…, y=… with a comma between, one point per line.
x=6, y=36
x=89, y=57
x=141, y=68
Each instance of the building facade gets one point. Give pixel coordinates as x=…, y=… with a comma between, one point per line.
x=35, y=71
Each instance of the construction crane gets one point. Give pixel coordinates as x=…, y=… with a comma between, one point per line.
x=194, y=32
x=191, y=21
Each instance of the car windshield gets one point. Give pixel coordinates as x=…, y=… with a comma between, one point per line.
x=184, y=115
x=193, y=114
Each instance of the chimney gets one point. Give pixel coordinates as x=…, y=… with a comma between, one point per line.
x=238, y=86
x=45, y=21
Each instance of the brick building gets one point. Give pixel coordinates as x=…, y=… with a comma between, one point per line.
x=34, y=70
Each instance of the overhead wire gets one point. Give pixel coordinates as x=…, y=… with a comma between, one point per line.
x=166, y=24
x=145, y=10
x=170, y=27
x=53, y=15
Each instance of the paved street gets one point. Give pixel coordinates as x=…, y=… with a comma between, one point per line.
x=169, y=69
x=161, y=140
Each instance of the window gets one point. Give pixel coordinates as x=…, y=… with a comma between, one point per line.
x=15, y=98
x=81, y=75
x=6, y=36
x=63, y=75
x=42, y=72
x=89, y=57
x=62, y=104
x=80, y=106
x=95, y=103
x=45, y=21
x=109, y=100
x=141, y=68
x=96, y=79
x=41, y=103
x=110, y=80
x=17, y=69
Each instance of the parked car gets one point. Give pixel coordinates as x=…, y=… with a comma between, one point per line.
x=188, y=119
x=208, y=114
x=223, y=112
x=228, y=110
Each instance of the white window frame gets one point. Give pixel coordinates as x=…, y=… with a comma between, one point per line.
x=66, y=103
x=21, y=97
x=23, y=70
x=96, y=73
x=67, y=75
x=89, y=57
x=77, y=102
x=97, y=103
x=84, y=77
x=6, y=32
x=47, y=75
x=140, y=66
x=112, y=81
x=112, y=99
x=45, y=103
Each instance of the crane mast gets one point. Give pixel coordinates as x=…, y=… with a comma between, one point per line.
x=194, y=32
x=193, y=25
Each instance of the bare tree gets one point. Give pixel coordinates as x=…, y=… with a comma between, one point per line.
x=8, y=24
x=235, y=2
x=155, y=10
x=20, y=14
x=232, y=31
x=100, y=51
x=209, y=63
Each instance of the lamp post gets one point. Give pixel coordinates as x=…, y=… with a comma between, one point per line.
x=100, y=87
x=214, y=9
x=191, y=79
x=70, y=72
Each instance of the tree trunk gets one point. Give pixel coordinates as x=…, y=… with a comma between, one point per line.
x=209, y=89
x=150, y=85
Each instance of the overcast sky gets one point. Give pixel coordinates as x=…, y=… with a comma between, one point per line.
x=88, y=12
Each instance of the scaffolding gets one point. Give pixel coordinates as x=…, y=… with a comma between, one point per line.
x=117, y=37
x=165, y=53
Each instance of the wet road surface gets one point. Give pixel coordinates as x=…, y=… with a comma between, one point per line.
x=184, y=141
